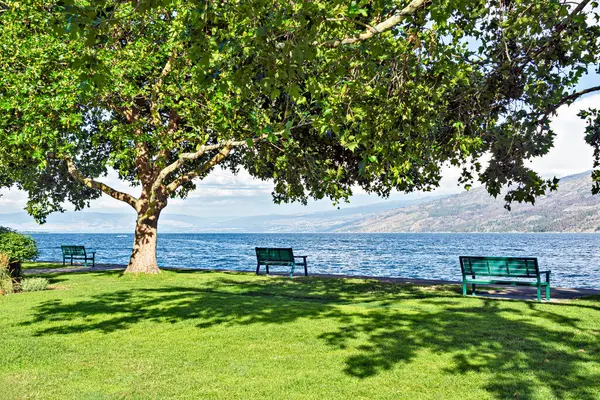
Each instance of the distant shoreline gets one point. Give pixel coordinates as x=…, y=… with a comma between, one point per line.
x=318, y=233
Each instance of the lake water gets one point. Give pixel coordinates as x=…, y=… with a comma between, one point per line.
x=573, y=258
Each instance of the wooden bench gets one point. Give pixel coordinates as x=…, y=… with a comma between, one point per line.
x=506, y=267
x=281, y=257
x=78, y=253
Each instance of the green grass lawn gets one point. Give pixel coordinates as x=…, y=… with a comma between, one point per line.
x=44, y=265
x=214, y=335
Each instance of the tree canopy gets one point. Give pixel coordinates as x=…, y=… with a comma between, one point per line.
x=319, y=96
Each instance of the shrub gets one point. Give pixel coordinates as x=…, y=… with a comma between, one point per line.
x=18, y=248
x=34, y=284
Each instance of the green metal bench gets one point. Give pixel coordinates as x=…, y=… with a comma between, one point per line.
x=508, y=267
x=280, y=257
x=78, y=253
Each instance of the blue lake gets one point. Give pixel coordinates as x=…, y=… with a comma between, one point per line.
x=573, y=258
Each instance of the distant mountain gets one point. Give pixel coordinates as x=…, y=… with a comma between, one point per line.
x=572, y=208
x=97, y=222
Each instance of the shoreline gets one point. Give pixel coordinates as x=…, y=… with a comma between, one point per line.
x=485, y=292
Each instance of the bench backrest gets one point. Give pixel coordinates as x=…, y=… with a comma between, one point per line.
x=273, y=255
x=500, y=266
x=73, y=250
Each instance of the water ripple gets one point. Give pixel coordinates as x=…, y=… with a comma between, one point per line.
x=573, y=258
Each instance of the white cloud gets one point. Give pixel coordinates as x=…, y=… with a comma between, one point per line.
x=12, y=199
x=220, y=177
x=570, y=153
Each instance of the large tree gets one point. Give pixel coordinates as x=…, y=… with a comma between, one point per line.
x=319, y=96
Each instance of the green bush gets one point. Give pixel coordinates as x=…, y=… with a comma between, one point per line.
x=34, y=284
x=18, y=247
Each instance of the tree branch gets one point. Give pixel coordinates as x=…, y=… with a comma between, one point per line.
x=169, y=169
x=567, y=99
x=172, y=126
x=383, y=26
x=366, y=26
x=156, y=90
x=578, y=9
x=576, y=95
x=558, y=30
x=229, y=144
x=220, y=156
x=143, y=162
x=93, y=184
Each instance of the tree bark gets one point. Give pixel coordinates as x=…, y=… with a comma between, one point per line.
x=14, y=269
x=143, y=256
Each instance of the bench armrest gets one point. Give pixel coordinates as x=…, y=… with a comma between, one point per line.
x=547, y=273
x=300, y=256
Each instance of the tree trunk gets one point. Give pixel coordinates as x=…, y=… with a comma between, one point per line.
x=143, y=257
x=14, y=269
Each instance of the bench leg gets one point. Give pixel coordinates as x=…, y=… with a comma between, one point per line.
x=267, y=267
x=257, y=269
x=64, y=260
x=539, y=293
x=473, y=292
x=464, y=289
x=548, y=293
x=305, y=269
x=292, y=271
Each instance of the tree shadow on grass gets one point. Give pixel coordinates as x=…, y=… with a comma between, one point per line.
x=224, y=300
x=507, y=343
x=524, y=348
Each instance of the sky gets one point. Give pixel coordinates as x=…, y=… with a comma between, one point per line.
x=225, y=194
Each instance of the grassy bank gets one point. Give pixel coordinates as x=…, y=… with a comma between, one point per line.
x=237, y=336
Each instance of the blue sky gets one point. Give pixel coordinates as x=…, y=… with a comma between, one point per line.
x=224, y=194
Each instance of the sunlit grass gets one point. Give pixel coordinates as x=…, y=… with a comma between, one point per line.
x=46, y=265
x=237, y=336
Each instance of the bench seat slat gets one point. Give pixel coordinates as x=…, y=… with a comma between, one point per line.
x=277, y=263
x=503, y=270
x=512, y=274
x=502, y=282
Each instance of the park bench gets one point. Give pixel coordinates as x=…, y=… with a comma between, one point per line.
x=78, y=253
x=280, y=257
x=474, y=268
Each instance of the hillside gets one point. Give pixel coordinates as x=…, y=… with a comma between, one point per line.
x=91, y=221
x=571, y=209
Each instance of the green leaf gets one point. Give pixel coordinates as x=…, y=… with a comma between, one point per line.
x=352, y=146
